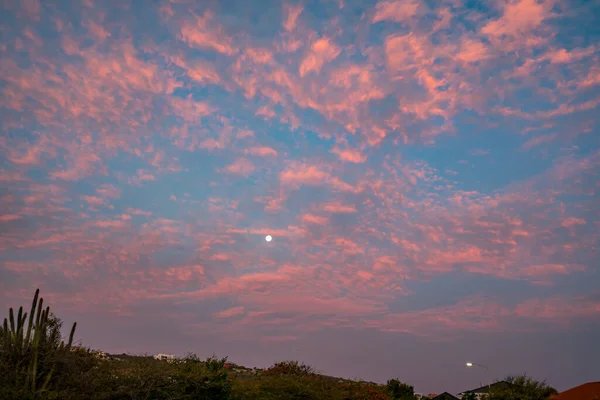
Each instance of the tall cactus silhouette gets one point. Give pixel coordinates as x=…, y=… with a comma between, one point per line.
x=25, y=350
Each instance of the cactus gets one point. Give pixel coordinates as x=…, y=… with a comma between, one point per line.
x=25, y=350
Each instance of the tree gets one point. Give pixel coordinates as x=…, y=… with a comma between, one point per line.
x=400, y=390
x=523, y=388
x=469, y=396
x=293, y=368
x=202, y=380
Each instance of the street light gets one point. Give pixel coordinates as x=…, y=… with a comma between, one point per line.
x=471, y=364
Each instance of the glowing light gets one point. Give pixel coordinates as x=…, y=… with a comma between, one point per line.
x=268, y=238
x=469, y=364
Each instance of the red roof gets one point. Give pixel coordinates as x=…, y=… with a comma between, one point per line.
x=587, y=391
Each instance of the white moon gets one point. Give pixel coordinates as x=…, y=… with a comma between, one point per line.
x=268, y=238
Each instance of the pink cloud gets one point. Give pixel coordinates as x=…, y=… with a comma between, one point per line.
x=220, y=257
x=519, y=17
x=557, y=309
x=444, y=17
x=477, y=314
x=190, y=110
x=186, y=272
x=247, y=283
x=266, y=111
x=321, y=51
x=314, y=219
x=110, y=224
x=244, y=133
x=211, y=144
x=539, y=140
x=204, y=33
x=127, y=70
x=109, y=191
x=365, y=275
x=32, y=155
x=350, y=155
x=81, y=164
x=98, y=31
x=562, y=56
x=134, y=211
x=32, y=8
x=230, y=312
x=260, y=55
x=141, y=177
x=315, y=306
x=396, y=10
x=262, y=231
x=339, y=208
x=291, y=14
x=9, y=217
x=198, y=71
x=33, y=38
x=241, y=166
x=303, y=174
x=539, y=272
x=348, y=246
x=261, y=151
x=97, y=201
x=472, y=50
x=403, y=51
x=572, y=221
x=592, y=79
x=273, y=204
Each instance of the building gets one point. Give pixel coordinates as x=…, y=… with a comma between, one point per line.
x=96, y=353
x=445, y=396
x=484, y=390
x=100, y=354
x=164, y=357
x=587, y=391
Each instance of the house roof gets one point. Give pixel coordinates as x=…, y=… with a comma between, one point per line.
x=445, y=396
x=486, y=388
x=587, y=391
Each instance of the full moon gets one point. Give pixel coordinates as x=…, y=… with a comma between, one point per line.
x=268, y=238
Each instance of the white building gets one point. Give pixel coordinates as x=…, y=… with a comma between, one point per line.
x=165, y=357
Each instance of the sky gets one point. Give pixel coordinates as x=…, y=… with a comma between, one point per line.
x=428, y=170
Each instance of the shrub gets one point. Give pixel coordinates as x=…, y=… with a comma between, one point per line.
x=523, y=388
x=303, y=385
x=194, y=379
x=400, y=390
x=290, y=368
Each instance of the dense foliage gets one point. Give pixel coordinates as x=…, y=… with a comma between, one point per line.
x=399, y=390
x=523, y=388
x=469, y=396
x=35, y=363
